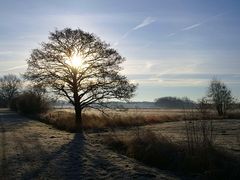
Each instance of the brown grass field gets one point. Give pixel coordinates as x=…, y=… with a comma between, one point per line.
x=170, y=123
x=144, y=133
x=94, y=119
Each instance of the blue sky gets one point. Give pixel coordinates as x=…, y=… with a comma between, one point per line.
x=172, y=47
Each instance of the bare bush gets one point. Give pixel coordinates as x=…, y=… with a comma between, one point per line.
x=9, y=89
x=204, y=108
x=199, y=134
x=30, y=103
x=221, y=96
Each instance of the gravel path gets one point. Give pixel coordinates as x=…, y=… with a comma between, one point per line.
x=33, y=150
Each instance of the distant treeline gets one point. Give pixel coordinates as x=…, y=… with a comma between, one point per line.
x=174, y=102
x=163, y=102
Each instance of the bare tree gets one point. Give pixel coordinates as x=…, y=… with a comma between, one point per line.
x=80, y=67
x=220, y=95
x=9, y=88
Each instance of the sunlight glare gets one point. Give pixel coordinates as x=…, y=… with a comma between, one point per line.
x=75, y=61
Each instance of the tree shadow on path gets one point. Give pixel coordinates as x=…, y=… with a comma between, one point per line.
x=59, y=155
x=65, y=163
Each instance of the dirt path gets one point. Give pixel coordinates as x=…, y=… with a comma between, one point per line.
x=32, y=150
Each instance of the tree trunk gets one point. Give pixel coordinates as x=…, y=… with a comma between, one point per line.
x=219, y=109
x=77, y=105
x=78, y=118
x=224, y=109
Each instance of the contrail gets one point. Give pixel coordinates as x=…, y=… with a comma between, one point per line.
x=191, y=27
x=147, y=21
x=196, y=25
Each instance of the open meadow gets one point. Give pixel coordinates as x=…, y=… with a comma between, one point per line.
x=167, y=122
x=148, y=135
x=109, y=118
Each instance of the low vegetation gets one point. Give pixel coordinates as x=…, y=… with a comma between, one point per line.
x=193, y=155
x=30, y=103
x=95, y=120
x=110, y=119
x=204, y=161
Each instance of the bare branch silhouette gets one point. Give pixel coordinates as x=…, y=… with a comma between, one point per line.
x=221, y=96
x=9, y=88
x=91, y=79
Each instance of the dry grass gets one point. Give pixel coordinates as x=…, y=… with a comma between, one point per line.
x=233, y=114
x=161, y=152
x=93, y=119
x=111, y=119
x=202, y=158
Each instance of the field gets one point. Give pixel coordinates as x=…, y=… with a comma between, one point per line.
x=96, y=120
x=170, y=123
x=226, y=133
x=137, y=144
x=30, y=149
x=190, y=141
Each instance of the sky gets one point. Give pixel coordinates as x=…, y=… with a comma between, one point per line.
x=172, y=47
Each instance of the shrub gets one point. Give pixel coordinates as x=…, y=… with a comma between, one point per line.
x=199, y=134
x=30, y=103
x=147, y=147
x=221, y=96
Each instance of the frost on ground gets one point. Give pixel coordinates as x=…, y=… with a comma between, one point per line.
x=226, y=133
x=32, y=150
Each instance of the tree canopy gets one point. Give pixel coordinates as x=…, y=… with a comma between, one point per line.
x=220, y=95
x=79, y=66
x=9, y=87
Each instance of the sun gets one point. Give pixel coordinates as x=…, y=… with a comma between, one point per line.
x=75, y=61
